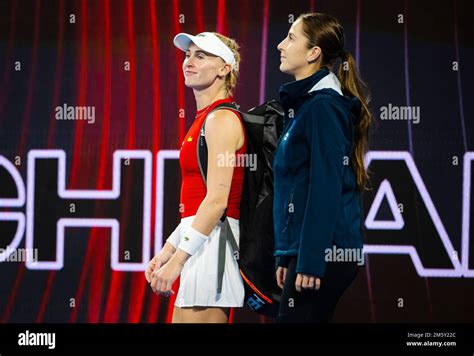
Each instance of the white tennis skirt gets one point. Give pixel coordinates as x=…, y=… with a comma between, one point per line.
x=198, y=281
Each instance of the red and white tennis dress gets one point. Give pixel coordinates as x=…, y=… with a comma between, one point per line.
x=198, y=281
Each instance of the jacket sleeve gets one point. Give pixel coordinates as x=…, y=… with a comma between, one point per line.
x=327, y=144
x=283, y=261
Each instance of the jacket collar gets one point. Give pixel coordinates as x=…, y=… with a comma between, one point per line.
x=293, y=94
x=330, y=81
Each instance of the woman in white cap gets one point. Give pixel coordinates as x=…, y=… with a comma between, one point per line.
x=210, y=68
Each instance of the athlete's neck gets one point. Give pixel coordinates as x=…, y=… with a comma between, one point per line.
x=206, y=97
x=307, y=71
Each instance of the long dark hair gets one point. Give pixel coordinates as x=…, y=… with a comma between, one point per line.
x=326, y=32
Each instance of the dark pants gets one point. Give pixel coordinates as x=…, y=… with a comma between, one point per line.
x=315, y=306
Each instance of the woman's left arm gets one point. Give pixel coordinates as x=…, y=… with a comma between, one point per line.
x=223, y=133
x=328, y=145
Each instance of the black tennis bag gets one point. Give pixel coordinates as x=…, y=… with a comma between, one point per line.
x=263, y=127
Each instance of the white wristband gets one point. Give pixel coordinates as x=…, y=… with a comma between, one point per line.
x=175, y=236
x=192, y=241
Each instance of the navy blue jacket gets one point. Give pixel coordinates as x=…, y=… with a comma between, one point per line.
x=316, y=198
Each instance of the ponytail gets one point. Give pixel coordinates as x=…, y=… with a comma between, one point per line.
x=353, y=85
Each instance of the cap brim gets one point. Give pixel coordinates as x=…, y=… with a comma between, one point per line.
x=183, y=40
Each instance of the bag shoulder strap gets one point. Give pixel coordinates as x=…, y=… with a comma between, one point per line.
x=201, y=142
x=226, y=231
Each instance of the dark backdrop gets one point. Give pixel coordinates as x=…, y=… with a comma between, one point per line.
x=117, y=57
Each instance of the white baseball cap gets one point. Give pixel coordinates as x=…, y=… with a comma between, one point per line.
x=208, y=42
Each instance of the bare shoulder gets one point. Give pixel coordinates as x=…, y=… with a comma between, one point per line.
x=223, y=122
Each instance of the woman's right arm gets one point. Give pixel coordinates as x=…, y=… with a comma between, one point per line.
x=165, y=254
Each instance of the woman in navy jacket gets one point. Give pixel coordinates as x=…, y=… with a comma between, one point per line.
x=319, y=170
